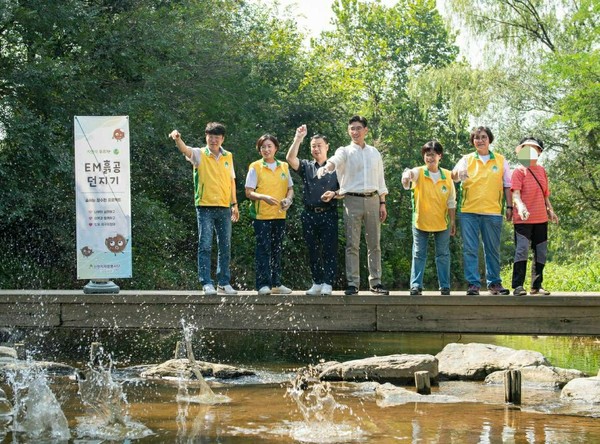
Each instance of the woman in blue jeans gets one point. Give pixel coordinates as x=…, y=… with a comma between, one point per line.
x=485, y=177
x=270, y=187
x=434, y=207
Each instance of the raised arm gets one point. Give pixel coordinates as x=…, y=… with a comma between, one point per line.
x=292, y=154
x=186, y=150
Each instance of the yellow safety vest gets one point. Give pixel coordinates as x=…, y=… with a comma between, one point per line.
x=483, y=191
x=272, y=183
x=212, y=179
x=430, y=201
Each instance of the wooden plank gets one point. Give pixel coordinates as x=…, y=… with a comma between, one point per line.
x=560, y=314
x=515, y=319
x=222, y=316
x=29, y=315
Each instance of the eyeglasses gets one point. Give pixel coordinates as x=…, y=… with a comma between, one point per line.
x=356, y=128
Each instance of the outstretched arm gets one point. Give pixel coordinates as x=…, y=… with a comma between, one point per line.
x=292, y=154
x=186, y=150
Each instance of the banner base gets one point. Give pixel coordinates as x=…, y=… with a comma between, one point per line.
x=100, y=286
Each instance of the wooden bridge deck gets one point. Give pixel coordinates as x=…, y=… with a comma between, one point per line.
x=557, y=314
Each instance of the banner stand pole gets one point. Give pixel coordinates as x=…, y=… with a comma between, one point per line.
x=99, y=286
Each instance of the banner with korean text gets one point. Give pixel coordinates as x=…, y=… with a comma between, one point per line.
x=102, y=188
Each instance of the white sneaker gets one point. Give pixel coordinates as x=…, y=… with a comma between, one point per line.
x=264, y=291
x=209, y=290
x=315, y=290
x=227, y=289
x=282, y=289
x=326, y=290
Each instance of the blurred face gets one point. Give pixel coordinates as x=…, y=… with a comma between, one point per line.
x=432, y=160
x=357, y=133
x=268, y=150
x=481, y=141
x=214, y=141
x=318, y=149
x=528, y=154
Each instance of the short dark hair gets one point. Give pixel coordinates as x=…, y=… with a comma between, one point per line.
x=432, y=145
x=264, y=137
x=533, y=139
x=359, y=119
x=215, y=128
x=320, y=136
x=485, y=129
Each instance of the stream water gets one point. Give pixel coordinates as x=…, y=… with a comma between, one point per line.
x=271, y=407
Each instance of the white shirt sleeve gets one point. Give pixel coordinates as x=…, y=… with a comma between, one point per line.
x=414, y=174
x=506, y=177
x=382, y=187
x=338, y=158
x=195, y=159
x=251, y=179
x=452, y=198
x=461, y=164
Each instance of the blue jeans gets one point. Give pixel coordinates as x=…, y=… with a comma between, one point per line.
x=269, y=246
x=489, y=226
x=217, y=220
x=321, y=236
x=419, y=257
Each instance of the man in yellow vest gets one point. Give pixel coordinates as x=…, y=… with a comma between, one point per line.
x=485, y=177
x=216, y=204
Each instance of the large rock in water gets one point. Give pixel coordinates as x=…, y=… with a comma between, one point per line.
x=176, y=368
x=540, y=376
x=586, y=390
x=473, y=362
x=392, y=368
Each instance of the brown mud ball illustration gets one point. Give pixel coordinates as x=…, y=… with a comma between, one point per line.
x=118, y=134
x=86, y=251
x=116, y=244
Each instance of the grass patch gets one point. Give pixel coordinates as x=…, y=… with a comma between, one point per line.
x=579, y=276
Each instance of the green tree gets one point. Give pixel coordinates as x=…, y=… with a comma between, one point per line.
x=165, y=64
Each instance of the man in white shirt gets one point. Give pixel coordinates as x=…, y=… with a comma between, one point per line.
x=359, y=168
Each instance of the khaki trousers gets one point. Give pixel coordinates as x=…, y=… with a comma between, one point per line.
x=356, y=211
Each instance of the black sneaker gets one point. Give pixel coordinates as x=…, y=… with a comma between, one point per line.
x=445, y=291
x=473, y=290
x=351, y=290
x=378, y=289
x=415, y=291
x=496, y=289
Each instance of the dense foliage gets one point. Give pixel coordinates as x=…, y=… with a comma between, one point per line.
x=178, y=64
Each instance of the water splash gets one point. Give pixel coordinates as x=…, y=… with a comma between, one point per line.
x=37, y=414
x=205, y=394
x=325, y=420
x=106, y=405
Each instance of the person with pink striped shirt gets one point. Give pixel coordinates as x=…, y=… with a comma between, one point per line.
x=531, y=200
